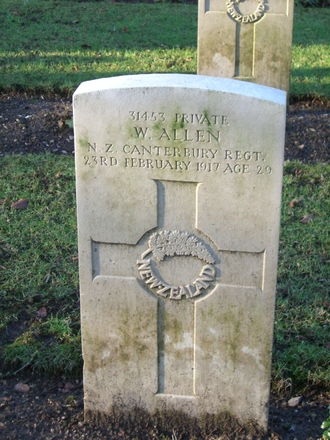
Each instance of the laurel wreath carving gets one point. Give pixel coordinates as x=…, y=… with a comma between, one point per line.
x=170, y=243
x=247, y=18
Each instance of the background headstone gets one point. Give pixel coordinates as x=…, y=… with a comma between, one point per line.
x=178, y=197
x=246, y=39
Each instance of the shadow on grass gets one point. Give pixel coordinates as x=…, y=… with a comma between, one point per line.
x=49, y=73
x=317, y=80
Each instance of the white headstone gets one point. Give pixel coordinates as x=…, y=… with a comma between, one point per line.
x=246, y=39
x=178, y=196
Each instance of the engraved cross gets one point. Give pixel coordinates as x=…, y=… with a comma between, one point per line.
x=246, y=14
x=176, y=320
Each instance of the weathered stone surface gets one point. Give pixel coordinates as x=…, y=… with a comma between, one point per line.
x=248, y=40
x=178, y=196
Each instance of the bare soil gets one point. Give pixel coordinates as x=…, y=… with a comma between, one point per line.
x=52, y=408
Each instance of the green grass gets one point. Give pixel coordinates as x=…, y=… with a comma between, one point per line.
x=310, y=74
x=302, y=322
x=38, y=251
x=52, y=46
x=326, y=427
x=55, y=46
x=38, y=262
